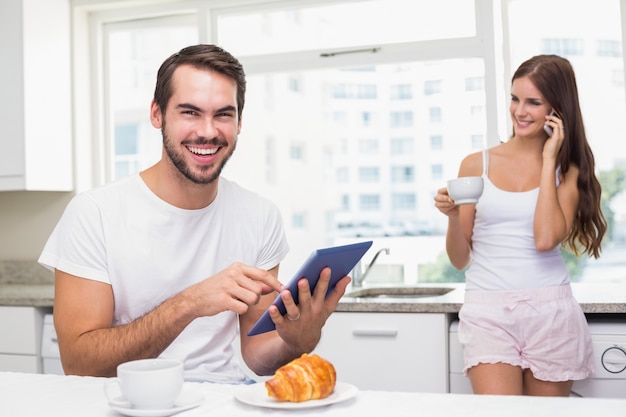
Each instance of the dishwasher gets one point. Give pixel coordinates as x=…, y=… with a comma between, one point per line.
x=609, y=356
x=51, y=359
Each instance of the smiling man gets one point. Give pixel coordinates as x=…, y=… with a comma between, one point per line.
x=168, y=262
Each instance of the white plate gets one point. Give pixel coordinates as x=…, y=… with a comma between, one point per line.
x=187, y=400
x=256, y=394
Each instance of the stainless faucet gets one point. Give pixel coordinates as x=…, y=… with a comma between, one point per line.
x=358, y=275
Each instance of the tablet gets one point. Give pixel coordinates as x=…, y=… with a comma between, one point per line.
x=340, y=259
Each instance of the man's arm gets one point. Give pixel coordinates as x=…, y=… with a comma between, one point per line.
x=83, y=317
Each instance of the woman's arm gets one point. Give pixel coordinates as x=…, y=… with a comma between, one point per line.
x=460, y=218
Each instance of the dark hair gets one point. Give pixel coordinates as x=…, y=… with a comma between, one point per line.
x=207, y=57
x=554, y=78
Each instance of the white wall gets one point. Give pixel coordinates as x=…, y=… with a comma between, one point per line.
x=26, y=220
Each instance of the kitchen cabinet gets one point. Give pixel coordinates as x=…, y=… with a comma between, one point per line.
x=20, y=343
x=35, y=110
x=388, y=351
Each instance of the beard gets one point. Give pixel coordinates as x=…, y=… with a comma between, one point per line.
x=206, y=174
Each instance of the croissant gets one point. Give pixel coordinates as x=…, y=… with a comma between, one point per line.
x=308, y=377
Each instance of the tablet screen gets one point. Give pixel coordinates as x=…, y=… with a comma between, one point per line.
x=340, y=259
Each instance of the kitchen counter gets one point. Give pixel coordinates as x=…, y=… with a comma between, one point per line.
x=34, y=295
x=593, y=298
x=67, y=396
x=26, y=283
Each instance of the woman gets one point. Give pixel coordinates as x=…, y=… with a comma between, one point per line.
x=521, y=329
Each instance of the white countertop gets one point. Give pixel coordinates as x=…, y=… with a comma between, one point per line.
x=31, y=395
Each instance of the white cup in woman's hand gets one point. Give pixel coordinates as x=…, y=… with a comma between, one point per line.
x=465, y=190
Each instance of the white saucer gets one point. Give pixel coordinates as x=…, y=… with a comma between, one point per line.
x=256, y=395
x=188, y=399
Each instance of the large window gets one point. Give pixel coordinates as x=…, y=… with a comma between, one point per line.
x=595, y=51
x=351, y=131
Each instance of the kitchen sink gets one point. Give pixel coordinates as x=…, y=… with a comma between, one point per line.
x=398, y=292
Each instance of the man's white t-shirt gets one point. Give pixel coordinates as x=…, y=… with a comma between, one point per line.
x=122, y=234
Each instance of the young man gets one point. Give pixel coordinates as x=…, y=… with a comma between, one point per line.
x=165, y=262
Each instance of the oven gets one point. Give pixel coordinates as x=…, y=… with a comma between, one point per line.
x=607, y=381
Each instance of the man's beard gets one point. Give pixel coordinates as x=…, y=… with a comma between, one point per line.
x=178, y=159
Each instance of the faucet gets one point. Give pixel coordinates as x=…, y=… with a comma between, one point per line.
x=358, y=275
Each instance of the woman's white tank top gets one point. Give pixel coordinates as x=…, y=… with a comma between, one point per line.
x=504, y=256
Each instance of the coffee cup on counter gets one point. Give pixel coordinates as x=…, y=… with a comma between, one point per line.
x=149, y=384
x=465, y=190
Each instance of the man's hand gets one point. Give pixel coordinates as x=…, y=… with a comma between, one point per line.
x=301, y=326
x=235, y=288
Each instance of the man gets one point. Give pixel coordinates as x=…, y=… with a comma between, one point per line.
x=163, y=263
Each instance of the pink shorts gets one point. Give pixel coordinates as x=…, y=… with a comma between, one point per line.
x=541, y=329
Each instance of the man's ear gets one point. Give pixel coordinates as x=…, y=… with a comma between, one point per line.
x=156, y=117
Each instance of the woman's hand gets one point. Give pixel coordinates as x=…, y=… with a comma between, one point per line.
x=553, y=144
x=445, y=203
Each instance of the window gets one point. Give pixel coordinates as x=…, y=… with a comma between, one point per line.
x=419, y=86
x=298, y=220
x=342, y=175
x=401, y=146
x=478, y=141
x=404, y=201
x=401, y=92
x=330, y=107
x=368, y=146
x=588, y=47
x=402, y=119
x=436, y=171
x=345, y=202
x=369, y=202
x=609, y=48
x=367, y=118
x=369, y=174
x=134, y=53
x=294, y=84
x=296, y=151
x=126, y=152
x=561, y=46
x=339, y=117
x=402, y=174
x=435, y=114
x=436, y=142
x=323, y=26
x=352, y=91
x=477, y=112
x=432, y=87
x=474, y=84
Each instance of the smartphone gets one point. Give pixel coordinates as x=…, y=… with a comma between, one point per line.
x=547, y=128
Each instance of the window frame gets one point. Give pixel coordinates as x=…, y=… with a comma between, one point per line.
x=91, y=17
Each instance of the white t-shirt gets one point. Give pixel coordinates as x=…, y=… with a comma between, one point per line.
x=148, y=250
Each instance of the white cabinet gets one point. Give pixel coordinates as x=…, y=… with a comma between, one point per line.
x=20, y=343
x=388, y=351
x=35, y=109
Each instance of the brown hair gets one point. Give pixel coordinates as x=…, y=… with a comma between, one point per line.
x=554, y=78
x=207, y=57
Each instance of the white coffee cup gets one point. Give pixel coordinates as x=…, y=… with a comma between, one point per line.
x=465, y=190
x=151, y=383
